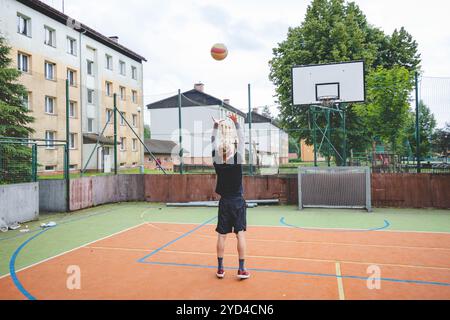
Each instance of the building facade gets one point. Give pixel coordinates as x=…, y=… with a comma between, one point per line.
x=49, y=47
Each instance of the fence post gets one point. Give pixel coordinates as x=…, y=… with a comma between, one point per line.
x=115, y=133
x=417, y=123
x=67, y=148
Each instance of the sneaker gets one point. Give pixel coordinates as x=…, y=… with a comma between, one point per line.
x=243, y=274
x=220, y=273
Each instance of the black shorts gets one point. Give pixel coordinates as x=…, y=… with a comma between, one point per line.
x=232, y=215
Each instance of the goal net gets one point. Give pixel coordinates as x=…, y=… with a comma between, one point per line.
x=339, y=187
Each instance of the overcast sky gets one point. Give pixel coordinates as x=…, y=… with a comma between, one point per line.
x=176, y=36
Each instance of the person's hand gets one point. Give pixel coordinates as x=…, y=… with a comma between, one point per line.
x=233, y=118
x=217, y=122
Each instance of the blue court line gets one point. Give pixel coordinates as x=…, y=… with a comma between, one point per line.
x=12, y=266
x=302, y=273
x=175, y=240
x=386, y=225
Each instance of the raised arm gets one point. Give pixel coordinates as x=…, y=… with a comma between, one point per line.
x=215, y=153
x=240, y=148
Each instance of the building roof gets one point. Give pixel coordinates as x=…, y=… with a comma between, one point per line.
x=91, y=33
x=259, y=118
x=162, y=146
x=193, y=98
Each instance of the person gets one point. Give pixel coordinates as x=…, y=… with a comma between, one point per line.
x=227, y=160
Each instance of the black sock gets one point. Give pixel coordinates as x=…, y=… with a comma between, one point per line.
x=220, y=263
x=241, y=264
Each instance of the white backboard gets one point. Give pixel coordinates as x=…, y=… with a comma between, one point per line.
x=344, y=80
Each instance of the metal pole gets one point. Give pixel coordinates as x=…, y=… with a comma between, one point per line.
x=67, y=147
x=250, y=151
x=34, y=162
x=179, y=131
x=417, y=123
x=344, y=140
x=314, y=135
x=328, y=132
x=115, y=133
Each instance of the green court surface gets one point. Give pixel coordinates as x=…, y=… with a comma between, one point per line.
x=80, y=228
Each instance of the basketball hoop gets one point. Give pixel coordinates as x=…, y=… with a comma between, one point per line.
x=328, y=101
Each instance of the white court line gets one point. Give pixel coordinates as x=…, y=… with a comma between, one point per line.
x=306, y=228
x=266, y=257
x=79, y=247
x=339, y=281
x=310, y=242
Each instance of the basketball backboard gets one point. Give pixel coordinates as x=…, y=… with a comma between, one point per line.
x=341, y=82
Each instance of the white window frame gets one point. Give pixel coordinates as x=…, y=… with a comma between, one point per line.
x=72, y=141
x=72, y=109
x=71, y=46
x=47, y=66
x=123, y=144
x=122, y=121
x=90, y=67
x=73, y=79
x=109, y=116
x=109, y=62
x=47, y=105
x=21, y=66
x=134, y=144
x=122, y=68
x=90, y=93
x=123, y=93
x=50, y=36
x=134, y=96
x=134, y=118
x=23, y=25
x=108, y=88
x=50, y=144
x=91, y=121
x=26, y=101
x=134, y=73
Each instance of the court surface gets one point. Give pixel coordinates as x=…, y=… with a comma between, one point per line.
x=149, y=251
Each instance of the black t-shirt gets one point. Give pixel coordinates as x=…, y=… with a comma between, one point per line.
x=229, y=179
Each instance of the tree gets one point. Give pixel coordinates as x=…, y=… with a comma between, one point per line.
x=15, y=160
x=441, y=140
x=427, y=125
x=147, y=132
x=266, y=112
x=387, y=110
x=334, y=31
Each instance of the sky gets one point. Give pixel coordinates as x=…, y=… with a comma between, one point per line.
x=176, y=37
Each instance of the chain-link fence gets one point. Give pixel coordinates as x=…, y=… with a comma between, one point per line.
x=18, y=162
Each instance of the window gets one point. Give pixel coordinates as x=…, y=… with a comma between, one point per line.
x=122, y=68
x=71, y=46
x=134, y=120
x=90, y=96
x=122, y=121
x=109, y=62
x=90, y=67
x=73, y=167
x=109, y=115
x=90, y=125
x=26, y=100
x=50, y=168
x=134, y=73
x=134, y=145
x=23, y=62
x=123, y=93
x=72, y=77
x=123, y=142
x=49, y=137
x=50, y=38
x=23, y=25
x=72, y=109
x=108, y=86
x=72, y=140
x=134, y=96
x=50, y=70
x=50, y=105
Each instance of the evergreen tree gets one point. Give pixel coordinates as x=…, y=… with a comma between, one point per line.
x=15, y=160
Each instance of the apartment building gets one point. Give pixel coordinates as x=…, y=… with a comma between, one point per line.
x=49, y=47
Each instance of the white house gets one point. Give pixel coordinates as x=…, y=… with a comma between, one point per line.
x=197, y=110
x=269, y=140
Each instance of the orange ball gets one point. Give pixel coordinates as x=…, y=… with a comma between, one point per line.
x=219, y=51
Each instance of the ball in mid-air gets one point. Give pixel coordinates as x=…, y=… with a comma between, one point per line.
x=219, y=51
